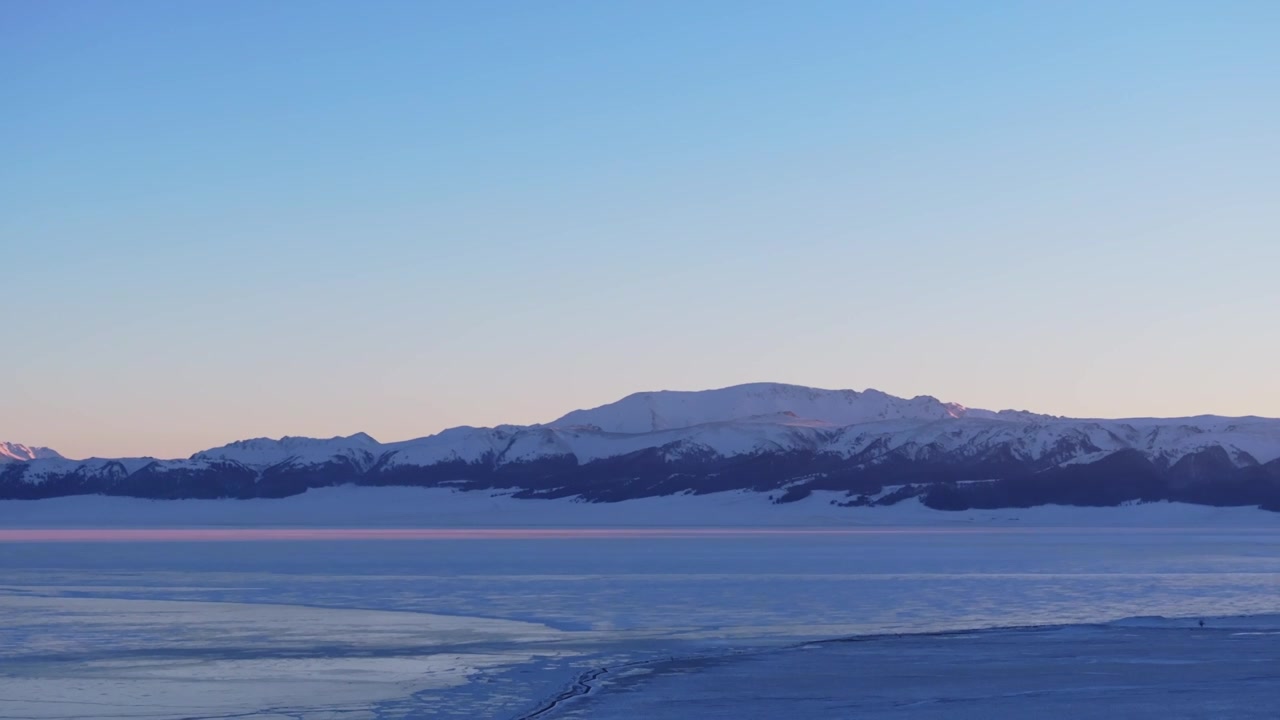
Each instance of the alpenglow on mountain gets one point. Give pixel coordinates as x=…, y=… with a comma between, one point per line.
x=789, y=441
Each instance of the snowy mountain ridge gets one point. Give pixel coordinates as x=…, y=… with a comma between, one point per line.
x=759, y=436
x=17, y=452
x=666, y=410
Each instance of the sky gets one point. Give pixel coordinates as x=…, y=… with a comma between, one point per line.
x=223, y=219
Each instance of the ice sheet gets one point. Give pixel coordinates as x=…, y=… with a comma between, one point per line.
x=1149, y=673
x=490, y=628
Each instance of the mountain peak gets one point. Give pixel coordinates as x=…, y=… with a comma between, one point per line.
x=17, y=452
x=267, y=450
x=673, y=409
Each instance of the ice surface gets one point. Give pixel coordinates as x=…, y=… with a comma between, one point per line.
x=1095, y=671
x=492, y=628
x=79, y=657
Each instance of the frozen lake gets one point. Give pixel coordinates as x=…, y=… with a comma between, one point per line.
x=1165, y=670
x=469, y=624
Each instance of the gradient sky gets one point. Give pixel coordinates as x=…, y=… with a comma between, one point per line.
x=231, y=218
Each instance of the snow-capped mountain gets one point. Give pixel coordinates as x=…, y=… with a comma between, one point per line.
x=667, y=410
x=767, y=437
x=359, y=449
x=17, y=452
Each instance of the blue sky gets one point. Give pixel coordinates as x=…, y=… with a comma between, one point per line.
x=230, y=219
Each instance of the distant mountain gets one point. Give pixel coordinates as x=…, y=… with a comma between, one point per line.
x=15, y=452
x=784, y=439
x=654, y=411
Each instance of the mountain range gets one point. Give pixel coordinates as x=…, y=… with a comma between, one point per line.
x=786, y=440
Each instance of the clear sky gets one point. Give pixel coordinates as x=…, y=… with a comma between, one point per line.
x=232, y=218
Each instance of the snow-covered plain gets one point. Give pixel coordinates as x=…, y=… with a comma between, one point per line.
x=498, y=628
x=409, y=507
